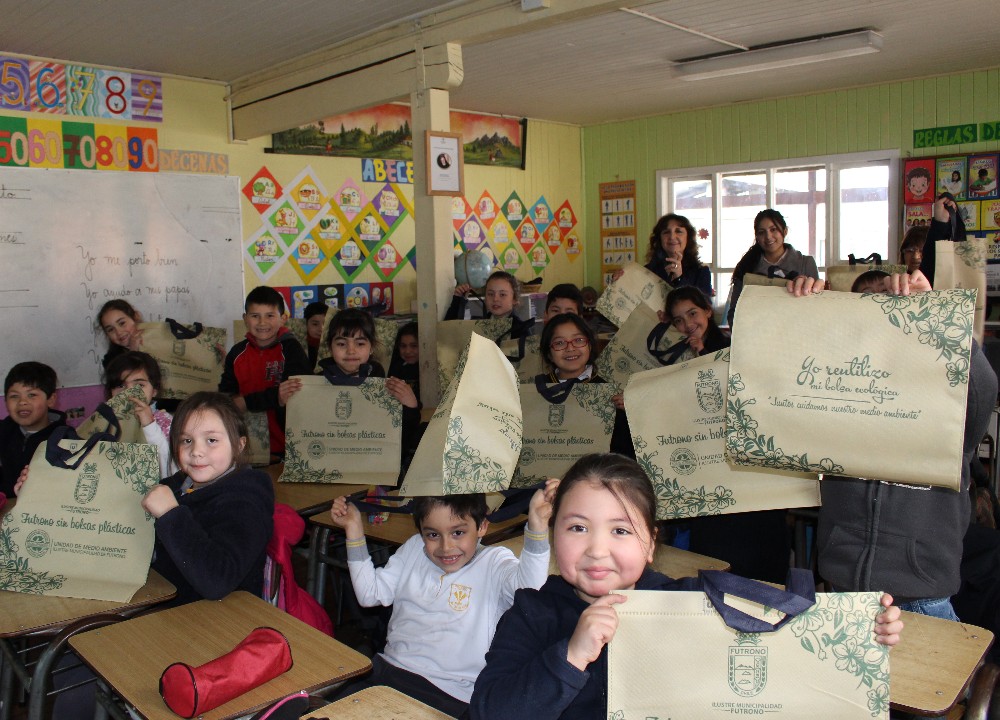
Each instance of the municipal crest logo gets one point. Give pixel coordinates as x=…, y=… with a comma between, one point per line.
x=344, y=406
x=709, y=391
x=86, y=484
x=178, y=348
x=747, y=665
x=527, y=455
x=315, y=450
x=458, y=597
x=621, y=364
x=557, y=415
x=647, y=292
x=684, y=461
x=38, y=543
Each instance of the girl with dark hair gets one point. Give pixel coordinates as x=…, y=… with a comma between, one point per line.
x=119, y=321
x=770, y=255
x=690, y=312
x=139, y=369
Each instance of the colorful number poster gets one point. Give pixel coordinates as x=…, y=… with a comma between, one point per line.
x=951, y=176
x=618, y=238
x=983, y=177
x=918, y=181
x=51, y=143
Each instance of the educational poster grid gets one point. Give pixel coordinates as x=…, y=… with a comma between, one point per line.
x=972, y=180
x=618, y=236
x=329, y=236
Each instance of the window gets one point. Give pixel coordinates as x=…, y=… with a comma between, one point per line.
x=835, y=206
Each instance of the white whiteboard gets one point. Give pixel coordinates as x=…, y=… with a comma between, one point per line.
x=70, y=240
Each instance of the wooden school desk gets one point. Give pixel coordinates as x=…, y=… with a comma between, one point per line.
x=667, y=559
x=934, y=663
x=131, y=655
x=39, y=616
x=377, y=703
x=308, y=498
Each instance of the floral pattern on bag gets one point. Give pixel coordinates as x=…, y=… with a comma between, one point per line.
x=16, y=574
x=462, y=462
x=297, y=467
x=745, y=447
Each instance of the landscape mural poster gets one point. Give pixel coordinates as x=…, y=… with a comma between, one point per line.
x=384, y=132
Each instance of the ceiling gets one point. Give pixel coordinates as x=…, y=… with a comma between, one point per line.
x=583, y=70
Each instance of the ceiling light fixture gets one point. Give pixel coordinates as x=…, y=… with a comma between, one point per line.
x=780, y=55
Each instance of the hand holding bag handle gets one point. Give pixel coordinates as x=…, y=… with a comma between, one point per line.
x=184, y=333
x=799, y=596
x=670, y=355
x=556, y=394
x=64, y=458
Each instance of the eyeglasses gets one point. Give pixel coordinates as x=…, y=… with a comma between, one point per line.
x=578, y=342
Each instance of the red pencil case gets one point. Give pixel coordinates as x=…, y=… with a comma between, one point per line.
x=262, y=655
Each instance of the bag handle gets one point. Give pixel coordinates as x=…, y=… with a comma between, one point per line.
x=668, y=356
x=799, y=596
x=556, y=394
x=520, y=348
x=873, y=259
x=61, y=457
x=184, y=333
x=114, y=430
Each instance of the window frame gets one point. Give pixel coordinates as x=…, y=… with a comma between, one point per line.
x=665, y=180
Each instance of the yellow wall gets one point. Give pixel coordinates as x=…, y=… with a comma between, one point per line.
x=876, y=117
x=196, y=120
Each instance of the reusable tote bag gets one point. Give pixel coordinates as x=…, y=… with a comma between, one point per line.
x=642, y=343
x=677, y=417
x=562, y=421
x=116, y=417
x=710, y=654
x=342, y=433
x=453, y=337
x=258, y=438
x=79, y=529
x=636, y=286
x=526, y=357
x=473, y=440
x=962, y=265
x=870, y=386
x=190, y=356
x=842, y=277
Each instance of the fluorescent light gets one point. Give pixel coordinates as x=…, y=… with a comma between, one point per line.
x=781, y=56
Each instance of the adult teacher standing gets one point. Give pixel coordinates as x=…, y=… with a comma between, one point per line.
x=673, y=255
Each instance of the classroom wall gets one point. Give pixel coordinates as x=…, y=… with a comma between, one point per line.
x=876, y=117
x=196, y=120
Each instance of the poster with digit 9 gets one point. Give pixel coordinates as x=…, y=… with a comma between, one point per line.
x=51, y=143
x=79, y=90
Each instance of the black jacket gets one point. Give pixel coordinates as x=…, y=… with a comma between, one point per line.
x=16, y=449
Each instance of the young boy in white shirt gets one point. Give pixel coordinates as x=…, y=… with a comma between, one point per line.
x=447, y=593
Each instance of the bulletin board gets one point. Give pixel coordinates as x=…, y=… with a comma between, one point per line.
x=70, y=240
x=972, y=179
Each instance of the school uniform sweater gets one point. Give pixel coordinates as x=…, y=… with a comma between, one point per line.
x=255, y=373
x=16, y=447
x=518, y=327
x=442, y=623
x=527, y=673
x=214, y=542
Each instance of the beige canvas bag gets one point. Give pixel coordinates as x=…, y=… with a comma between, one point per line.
x=842, y=277
x=673, y=655
x=561, y=423
x=473, y=440
x=636, y=286
x=116, y=417
x=632, y=348
x=191, y=357
x=258, y=439
x=526, y=357
x=870, y=386
x=677, y=418
x=453, y=337
x=962, y=265
x=342, y=433
x=79, y=529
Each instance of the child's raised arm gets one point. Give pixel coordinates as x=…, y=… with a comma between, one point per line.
x=540, y=507
x=347, y=516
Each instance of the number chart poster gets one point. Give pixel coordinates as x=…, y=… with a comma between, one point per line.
x=618, y=238
x=51, y=87
x=51, y=143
